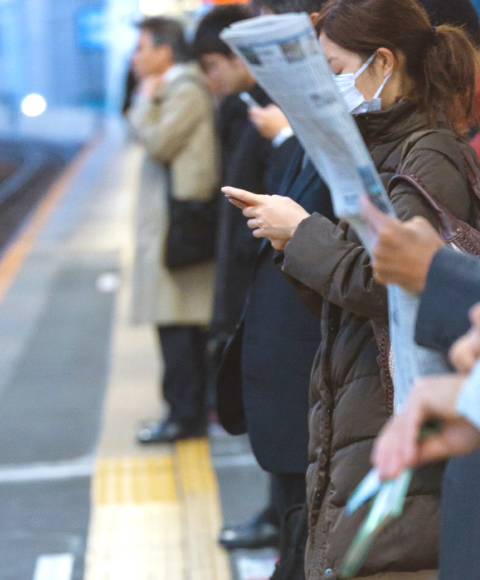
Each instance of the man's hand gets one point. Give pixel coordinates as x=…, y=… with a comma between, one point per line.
x=403, y=252
x=270, y=216
x=268, y=120
x=466, y=351
x=150, y=85
x=399, y=446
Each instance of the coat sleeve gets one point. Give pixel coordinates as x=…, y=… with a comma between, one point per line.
x=453, y=287
x=321, y=256
x=164, y=124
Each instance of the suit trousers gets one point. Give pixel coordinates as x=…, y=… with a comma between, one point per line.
x=460, y=533
x=288, y=490
x=184, y=381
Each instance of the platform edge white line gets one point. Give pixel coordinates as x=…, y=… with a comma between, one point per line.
x=54, y=567
x=81, y=467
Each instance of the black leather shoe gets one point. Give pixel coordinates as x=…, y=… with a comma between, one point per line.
x=170, y=431
x=260, y=532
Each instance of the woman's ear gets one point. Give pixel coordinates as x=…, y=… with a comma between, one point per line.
x=385, y=60
x=314, y=18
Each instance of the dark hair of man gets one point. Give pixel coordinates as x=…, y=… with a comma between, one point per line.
x=455, y=12
x=167, y=31
x=207, y=37
x=440, y=61
x=285, y=6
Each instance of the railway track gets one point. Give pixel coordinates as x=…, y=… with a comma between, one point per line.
x=27, y=170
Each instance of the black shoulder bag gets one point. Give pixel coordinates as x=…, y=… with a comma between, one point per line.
x=192, y=230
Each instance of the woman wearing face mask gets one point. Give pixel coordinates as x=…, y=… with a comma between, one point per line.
x=399, y=76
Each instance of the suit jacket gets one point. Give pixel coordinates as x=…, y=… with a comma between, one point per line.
x=255, y=165
x=453, y=286
x=263, y=383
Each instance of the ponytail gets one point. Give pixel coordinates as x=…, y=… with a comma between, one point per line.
x=448, y=74
x=440, y=61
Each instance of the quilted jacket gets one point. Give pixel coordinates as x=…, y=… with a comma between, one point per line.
x=349, y=402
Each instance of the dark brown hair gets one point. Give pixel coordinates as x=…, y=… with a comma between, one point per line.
x=167, y=31
x=440, y=61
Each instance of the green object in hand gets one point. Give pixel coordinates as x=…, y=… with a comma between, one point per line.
x=387, y=505
x=389, y=499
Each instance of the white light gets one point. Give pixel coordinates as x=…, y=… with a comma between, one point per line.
x=33, y=105
x=152, y=7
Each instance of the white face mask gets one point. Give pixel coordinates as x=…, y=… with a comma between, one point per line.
x=353, y=98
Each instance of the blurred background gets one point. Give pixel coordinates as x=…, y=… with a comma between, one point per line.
x=62, y=62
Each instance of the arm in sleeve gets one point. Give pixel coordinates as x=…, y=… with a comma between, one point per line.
x=321, y=256
x=453, y=287
x=164, y=125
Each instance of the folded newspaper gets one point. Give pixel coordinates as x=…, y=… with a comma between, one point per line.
x=285, y=57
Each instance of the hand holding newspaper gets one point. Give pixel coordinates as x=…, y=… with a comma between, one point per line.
x=285, y=57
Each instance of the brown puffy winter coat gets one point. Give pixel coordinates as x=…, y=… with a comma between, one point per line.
x=349, y=404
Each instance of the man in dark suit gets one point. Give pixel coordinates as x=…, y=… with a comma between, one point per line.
x=249, y=160
x=263, y=383
x=254, y=163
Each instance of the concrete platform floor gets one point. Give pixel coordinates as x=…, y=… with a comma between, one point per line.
x=76, y=382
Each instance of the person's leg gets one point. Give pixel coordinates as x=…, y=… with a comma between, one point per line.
x=184, y=384
x=289, y=490
x=260, y=531
x=460, y=513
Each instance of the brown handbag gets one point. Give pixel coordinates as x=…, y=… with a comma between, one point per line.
x=459, y=234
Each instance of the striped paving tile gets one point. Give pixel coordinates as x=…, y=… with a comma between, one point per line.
x=156, y=518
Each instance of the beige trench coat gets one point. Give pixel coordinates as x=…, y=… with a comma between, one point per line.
x=175, y=128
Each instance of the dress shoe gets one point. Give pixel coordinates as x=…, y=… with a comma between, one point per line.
x=259, y=532
x=170, y=431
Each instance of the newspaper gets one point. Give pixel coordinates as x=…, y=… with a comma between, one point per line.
x=286, y=59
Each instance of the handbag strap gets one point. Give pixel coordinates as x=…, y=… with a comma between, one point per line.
x=415, y=181
x=460, y=157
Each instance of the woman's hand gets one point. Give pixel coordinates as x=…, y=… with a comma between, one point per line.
x=270, y=216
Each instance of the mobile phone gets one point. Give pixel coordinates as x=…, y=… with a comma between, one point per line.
x=244, y=203
x=248, y=100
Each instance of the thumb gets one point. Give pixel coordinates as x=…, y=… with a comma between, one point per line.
x=375, y=218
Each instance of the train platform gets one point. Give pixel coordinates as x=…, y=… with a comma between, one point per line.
x=79, y=498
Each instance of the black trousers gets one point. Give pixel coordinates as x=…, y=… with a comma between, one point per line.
x=184, y=382
x=288, y=490
x=460, y=533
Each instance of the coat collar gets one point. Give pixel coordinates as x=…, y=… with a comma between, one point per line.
x=392, y=124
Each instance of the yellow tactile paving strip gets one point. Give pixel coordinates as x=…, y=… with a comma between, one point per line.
x=155, y=509
x=156, y=518
x=134, y=480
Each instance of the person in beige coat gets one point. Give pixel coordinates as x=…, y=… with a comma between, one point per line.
x=172, y=117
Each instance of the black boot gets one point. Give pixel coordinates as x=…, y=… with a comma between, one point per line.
x=261, y=531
